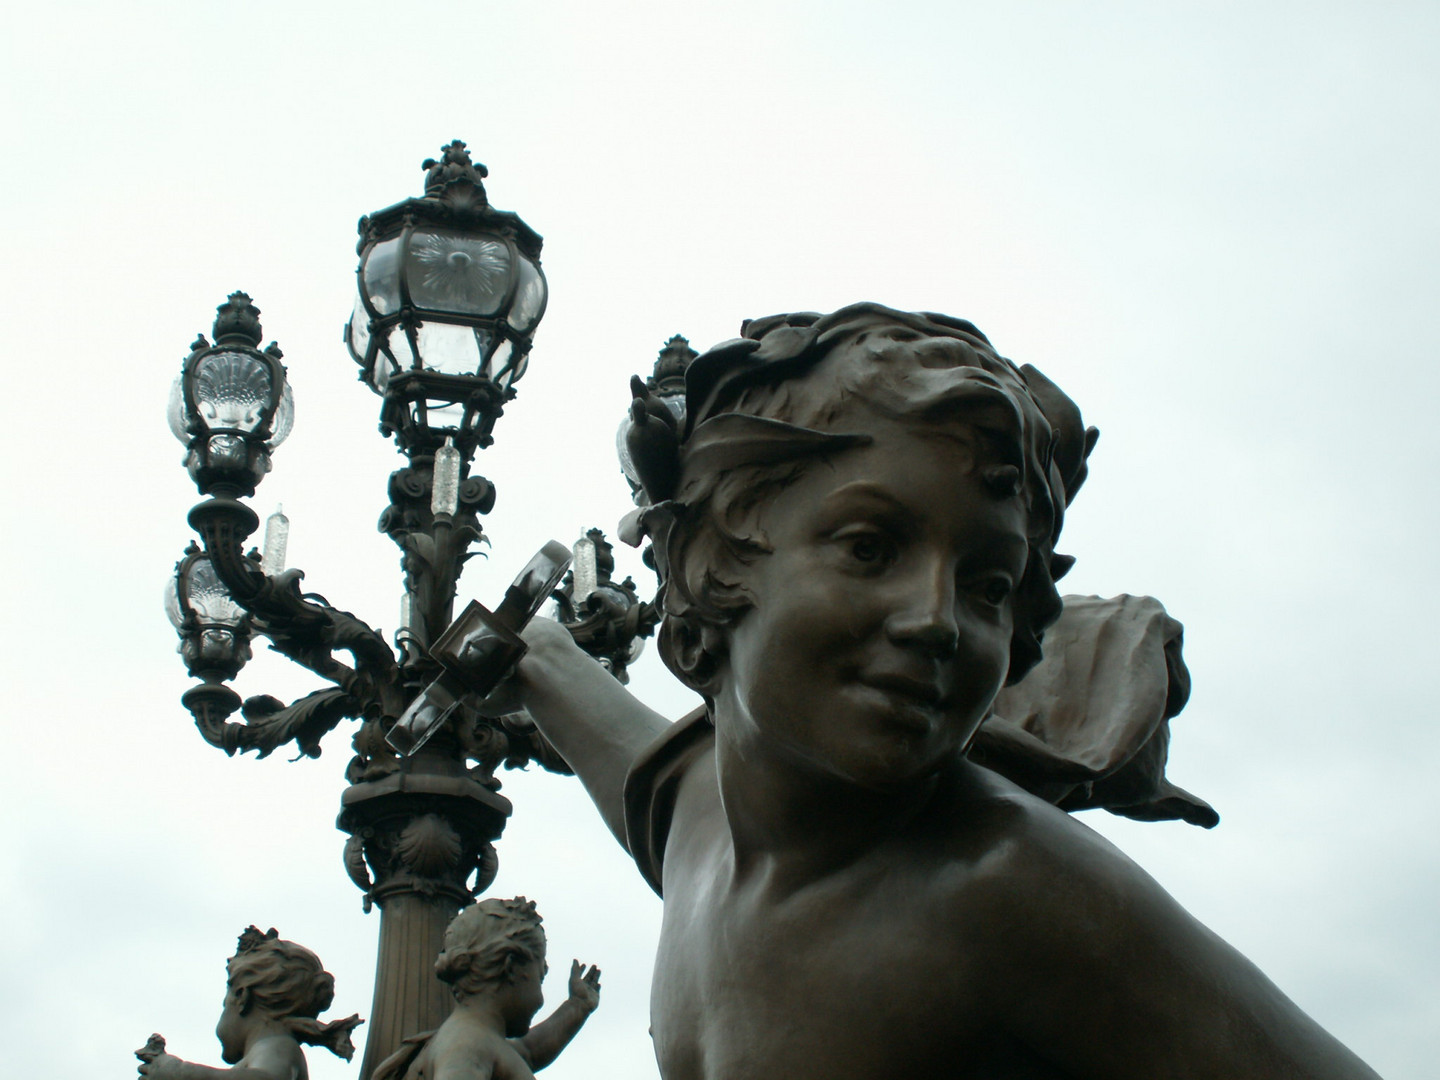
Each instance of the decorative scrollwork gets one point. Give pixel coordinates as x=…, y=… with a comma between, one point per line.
x=307, y=630
x=607, y=619
x=434, y=549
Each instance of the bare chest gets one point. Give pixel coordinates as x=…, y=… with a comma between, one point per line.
x=853, y=978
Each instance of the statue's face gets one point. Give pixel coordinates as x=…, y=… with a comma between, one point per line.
x=232, y=1027
x=882, y=620
x=523, y=997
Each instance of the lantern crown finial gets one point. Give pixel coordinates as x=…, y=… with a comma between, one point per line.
x=674, y=359
x=455, y=178
x=237, y=321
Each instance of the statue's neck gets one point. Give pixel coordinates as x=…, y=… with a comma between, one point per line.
x=483, y=1008
x=267, y=1028
x=796, y=823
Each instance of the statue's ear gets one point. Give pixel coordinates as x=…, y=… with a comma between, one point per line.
x=694, y=651
x=244, y=999
x=514, y=961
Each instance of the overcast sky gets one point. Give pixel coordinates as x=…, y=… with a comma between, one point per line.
x=1214, y=224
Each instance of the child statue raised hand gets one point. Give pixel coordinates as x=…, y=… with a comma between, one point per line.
x=274, y=992
x=494, y=961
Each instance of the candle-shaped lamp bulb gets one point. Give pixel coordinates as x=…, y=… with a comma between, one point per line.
x=587, y=573
x=445, y=487
x=277, y=535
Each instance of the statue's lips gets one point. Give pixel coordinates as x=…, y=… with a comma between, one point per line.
x=922, y=690
x=918, y=698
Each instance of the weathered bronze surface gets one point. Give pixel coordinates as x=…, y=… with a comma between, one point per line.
x=274, y=992
x=494, y=961
x=856, y=527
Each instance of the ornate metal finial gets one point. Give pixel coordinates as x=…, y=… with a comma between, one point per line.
x=237, y=321
x=674, y=358
x=455, y=178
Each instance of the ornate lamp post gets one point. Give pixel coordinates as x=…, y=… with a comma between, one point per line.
x=450, y=293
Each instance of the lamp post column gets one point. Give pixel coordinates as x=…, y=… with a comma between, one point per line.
x=422, y=832
x=422, y=827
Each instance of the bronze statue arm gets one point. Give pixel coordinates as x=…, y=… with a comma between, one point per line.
x=263, y=1062
x=543, y=1043
x=1129, y=986
x=597, y=726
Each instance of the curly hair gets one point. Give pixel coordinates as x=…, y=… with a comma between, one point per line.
x=487, y=942
x=761, y=408
x=288, y=981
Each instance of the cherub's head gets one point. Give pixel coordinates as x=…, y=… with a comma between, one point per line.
x=497, y=947
x=776, y=418
x=270, y=980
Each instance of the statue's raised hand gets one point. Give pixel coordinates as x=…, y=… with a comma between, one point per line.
x=585, y=986
x=162, y=1067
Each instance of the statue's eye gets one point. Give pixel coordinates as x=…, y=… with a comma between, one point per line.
x=870, y=549
x=996, y=591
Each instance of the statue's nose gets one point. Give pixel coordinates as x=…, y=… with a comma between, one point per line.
x=923, y=615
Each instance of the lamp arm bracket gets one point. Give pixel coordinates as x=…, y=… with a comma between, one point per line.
x=308, y=631
x=373, y=682
x=223, y=525
x=269, y=723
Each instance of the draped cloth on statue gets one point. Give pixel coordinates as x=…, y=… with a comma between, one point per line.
x=1087, y=728
x=397, y=1065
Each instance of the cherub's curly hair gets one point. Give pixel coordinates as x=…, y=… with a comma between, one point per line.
x=488, y=942
x=761, y=407
x=288, y=981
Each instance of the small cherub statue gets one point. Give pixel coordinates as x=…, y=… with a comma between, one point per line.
x=494, y=961
x=274, y=991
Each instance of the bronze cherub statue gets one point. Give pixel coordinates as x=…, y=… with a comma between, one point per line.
x=494, y=961
x=274, y=992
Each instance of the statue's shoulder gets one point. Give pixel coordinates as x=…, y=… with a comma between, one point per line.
x=654, y=786
x=1059, y=898
x=1096, y=966
x=1046, y=870
x=278, y=1054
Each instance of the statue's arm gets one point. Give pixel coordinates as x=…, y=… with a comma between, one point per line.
x=1134, y=987
x=170, y=1067
x=542, y=1044
x=597, y=725
x=271, y=1059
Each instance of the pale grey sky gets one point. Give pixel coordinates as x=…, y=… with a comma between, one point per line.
x=1213, y=224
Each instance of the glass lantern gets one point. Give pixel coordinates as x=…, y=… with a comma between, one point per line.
x=214, y=630
x=231, y=404
x=667, y=385
x=450, y=293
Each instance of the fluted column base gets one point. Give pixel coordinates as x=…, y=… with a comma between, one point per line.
x=409, y=998
x=420, y=848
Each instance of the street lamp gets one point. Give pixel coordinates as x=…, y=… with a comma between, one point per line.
x=214, y=630
x=450, y=294
x=230, y=404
